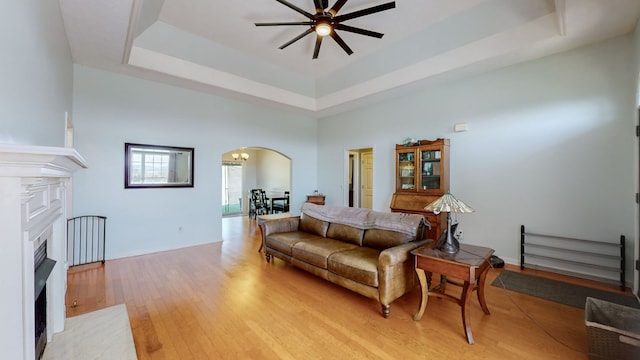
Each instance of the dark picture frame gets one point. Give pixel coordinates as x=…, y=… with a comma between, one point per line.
x=157, y=166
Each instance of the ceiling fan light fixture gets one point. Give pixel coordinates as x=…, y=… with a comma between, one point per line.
x=327, y=22
x=323, y=28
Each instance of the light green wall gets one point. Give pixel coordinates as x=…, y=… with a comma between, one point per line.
x=112, y=109
x=636, y=38
x=36, y=72
x=273, y=172
x=550, y=145
x=637, y=152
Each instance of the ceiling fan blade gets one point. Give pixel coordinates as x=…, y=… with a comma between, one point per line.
x=341, y=42
x=325, y=4
x=359, y=31
x=285, y=23
x=336, y=7
x=316, y=51
x=309, y=31
x=291, y=6
x=367, y=11
x=319, y=8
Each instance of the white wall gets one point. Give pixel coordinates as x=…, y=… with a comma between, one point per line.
x=112, y=109
x=36, y=72
x=550, y=145
x=273, y=172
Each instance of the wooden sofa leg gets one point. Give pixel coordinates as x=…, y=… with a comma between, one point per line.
x=386, y=309
x=268, y=257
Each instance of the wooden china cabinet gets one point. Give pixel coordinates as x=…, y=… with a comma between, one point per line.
x=422, y=176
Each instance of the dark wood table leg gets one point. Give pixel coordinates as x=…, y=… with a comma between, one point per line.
x=424, y=293
x=466, y=311
x=443, y=284
x=260, y=225
x=467, y=272
x=481, y=300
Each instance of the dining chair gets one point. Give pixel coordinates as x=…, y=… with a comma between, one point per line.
x=258, y=203
x=281, y=205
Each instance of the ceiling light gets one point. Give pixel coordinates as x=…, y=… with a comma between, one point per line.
x=323, y=28
x=243, y=156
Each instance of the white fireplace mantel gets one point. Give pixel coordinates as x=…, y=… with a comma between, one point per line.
x=39, y=161
x=34, y=198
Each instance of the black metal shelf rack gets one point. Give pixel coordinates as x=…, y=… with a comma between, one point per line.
x=559, y=251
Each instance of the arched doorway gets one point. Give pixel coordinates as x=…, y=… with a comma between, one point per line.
x=249, y=168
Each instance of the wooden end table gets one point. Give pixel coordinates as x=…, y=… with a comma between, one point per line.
x=470, y=265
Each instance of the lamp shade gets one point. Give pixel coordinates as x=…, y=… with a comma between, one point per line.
x=448, y=203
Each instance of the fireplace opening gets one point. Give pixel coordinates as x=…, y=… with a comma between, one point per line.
x=43, y=267
x=41, y=323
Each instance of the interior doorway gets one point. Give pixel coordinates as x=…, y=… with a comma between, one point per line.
x=248, y=168
x=232, y=180
x=360, y=178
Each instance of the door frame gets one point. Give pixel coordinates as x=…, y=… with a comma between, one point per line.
x=357, y=174
x=636, y=241
x=353, y=173
x=363, y=177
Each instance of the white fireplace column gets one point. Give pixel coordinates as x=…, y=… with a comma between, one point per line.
x=34, y=185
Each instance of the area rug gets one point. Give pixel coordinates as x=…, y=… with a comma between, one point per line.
x=558, y=291
x=101, y=335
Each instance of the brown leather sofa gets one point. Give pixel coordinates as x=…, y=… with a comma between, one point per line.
x=362, y=250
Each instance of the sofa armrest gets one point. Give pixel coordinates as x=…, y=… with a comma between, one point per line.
x=396, y=271
x=281, y=225
x=398, y=254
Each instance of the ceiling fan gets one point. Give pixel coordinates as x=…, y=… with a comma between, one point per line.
x=326, y=21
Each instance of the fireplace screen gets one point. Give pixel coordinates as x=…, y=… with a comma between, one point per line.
x=43, y=267
x=86, y=239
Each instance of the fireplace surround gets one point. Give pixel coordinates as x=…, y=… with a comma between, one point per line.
x=34, y=202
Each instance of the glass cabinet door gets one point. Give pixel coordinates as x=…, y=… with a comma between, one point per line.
x=430, y=169
x=406, y=170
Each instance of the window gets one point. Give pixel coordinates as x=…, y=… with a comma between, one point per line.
x=158, y=166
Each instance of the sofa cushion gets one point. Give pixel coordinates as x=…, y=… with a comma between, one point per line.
x=359, y=264
x=346, y=233
x=312, y=225
x=284, y=242
x=317, y=251
x=384, y=239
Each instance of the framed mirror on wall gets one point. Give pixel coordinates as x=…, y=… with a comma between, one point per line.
x=157, y=166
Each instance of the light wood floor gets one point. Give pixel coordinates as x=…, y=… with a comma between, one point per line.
x=224, y=301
